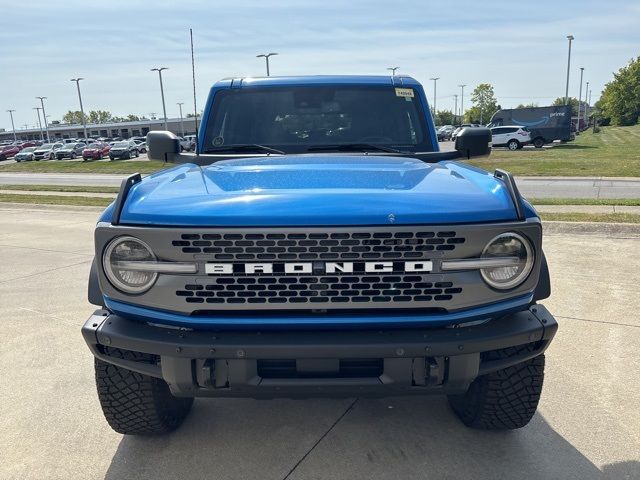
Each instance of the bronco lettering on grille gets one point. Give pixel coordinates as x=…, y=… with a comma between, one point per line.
x=298, y=268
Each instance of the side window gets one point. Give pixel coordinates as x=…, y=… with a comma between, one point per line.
x=511, y=130
x=497, y=131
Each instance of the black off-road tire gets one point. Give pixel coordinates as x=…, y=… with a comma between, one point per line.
x=502, y=400
x=538, y=142
x=136, y=404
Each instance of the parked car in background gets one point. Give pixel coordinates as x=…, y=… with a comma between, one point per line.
x=95, y=151
x=445, y=132
x=71, y=150
x=124, y=149
x=25, y=155
x=185, y=144
x=7, y=151
x=513, y=137
x=25, y=144
x=142, y=146
x=193, y=139
x=455, y=133
x=545, y=124
x=47, y=151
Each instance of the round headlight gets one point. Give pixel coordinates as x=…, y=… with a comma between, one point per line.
x=516, y=248
x=117, y=261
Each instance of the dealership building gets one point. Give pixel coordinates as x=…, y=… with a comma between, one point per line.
x=116, y=129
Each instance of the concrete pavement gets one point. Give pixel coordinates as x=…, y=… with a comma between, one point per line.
x=531, y=187
x=51, y=426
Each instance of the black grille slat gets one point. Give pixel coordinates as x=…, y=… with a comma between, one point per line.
x=311, y=246
x=299, y=289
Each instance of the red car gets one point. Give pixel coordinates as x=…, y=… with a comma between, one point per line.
x=9, y=151
x=95, y=151
x=27, y=144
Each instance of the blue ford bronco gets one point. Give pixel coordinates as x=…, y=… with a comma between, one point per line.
x=318, y=243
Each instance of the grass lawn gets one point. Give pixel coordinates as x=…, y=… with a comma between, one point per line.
x=614, y=152
x=85, y=167
x=60, y=188
x=54, y=200
x=591, y=217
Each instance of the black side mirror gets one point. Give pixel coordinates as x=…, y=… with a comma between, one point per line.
x=163, y=146
x=474, y=142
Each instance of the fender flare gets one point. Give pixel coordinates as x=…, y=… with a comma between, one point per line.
x=94, y=292
x=543, y=289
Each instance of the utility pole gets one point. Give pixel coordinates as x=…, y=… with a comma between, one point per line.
x=39, y=123
x=579, y=101
x=84, y=121
x=462, y=104
x=455, y=109
x=566, y=92
x=266, y=58
x=12, y=125
x=181, y=122
x=435, y=80
x=44, y=114
x=393, y=70
x=164, y=108
x=586, y=106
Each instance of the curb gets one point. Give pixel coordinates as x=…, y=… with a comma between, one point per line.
x=631, y=230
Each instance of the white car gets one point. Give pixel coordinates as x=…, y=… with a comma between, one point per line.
x=513, y=137
x=142, y=146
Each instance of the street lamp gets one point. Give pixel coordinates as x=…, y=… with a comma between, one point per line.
x=181, y=122
x=164, y=108
x=44, y=115
x=566, y=92
x=455, y=109
x=39, y=123
x=393, y=70
x=435, y=79
x=462, y=103
x=84, y=122
x=12, y=125
x=579, y=100
x=266, y=59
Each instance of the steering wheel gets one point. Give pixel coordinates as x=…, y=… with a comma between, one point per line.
x=374, y=139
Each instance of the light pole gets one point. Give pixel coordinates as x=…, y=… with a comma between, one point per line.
x=44, y=115
x=12, y=125
x=164, y=108
x=435, y=80
x=39, y=123
x=393, y=70
x=462, y=103
x=455, y=109
x=266, y=59
x=579, y=100
x=566, y=92
x=181, y=122
x=84, y=121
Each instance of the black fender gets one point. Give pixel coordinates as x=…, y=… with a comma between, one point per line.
x=94, y=293
x=543, y=289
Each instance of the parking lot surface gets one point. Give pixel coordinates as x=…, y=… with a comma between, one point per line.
x=51, y=426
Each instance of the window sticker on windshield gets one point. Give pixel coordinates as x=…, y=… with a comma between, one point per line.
x=404, y=92
x=218, y=141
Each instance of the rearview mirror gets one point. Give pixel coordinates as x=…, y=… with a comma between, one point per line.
x=474, y=142
x=163, y=146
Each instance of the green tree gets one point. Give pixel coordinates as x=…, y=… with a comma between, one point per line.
x=132, y=118
x=484, y=103
x=444, y=117
x=99, y=116
x=527, y=105
x=73, y=117
x=573, y=101
x=620, y=100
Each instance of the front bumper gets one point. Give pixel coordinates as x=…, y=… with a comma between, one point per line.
x=319, y=363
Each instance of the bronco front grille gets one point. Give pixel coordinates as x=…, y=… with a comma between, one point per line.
x=319, y=246
x=335, y=290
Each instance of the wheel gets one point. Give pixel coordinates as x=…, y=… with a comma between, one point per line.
x=538, y=142
x=137, y=153
x=502, y=400
x=181, y=149
x=513, y=144
x=137, y=404
x=72, y=156
x=51, y=156
x=100, y=156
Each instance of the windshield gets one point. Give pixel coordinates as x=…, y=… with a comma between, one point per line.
x=293, y=119
x=121, y=144
x=46, y=145
x=93, y=145
x=28, y=149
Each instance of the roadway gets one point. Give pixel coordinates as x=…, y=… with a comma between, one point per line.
x=587, y=425
x=532, y=187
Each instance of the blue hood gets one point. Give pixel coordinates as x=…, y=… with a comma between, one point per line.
x=318, y=190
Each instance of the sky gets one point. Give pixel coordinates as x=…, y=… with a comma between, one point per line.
x=518, y=47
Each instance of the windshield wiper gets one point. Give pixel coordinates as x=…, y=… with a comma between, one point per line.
x=248, y=147
x=354, y=147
